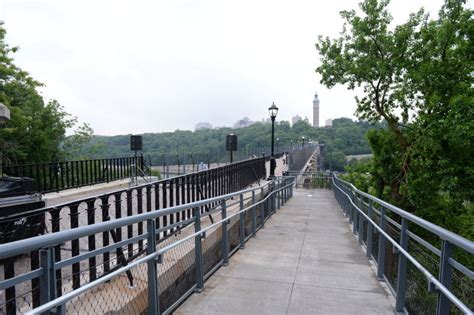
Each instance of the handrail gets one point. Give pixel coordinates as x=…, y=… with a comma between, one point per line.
x=431, y=227
x=30, y=244
x=451, y=237
x=87, y=230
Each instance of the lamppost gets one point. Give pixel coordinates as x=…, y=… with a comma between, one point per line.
x=273, y=111
x=302, y=141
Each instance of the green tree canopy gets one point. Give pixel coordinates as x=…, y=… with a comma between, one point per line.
x=37, y=129
x=417, y=77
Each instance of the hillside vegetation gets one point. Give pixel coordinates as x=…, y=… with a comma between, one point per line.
x=344, y=138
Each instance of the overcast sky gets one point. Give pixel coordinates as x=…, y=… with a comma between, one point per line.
x=151, y=66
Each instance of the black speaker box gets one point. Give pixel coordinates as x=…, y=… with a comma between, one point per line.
x=231, y=142
x=136, y=143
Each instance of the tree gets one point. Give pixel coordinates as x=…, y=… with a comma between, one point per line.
x=417, y=77
x=37, y=128
x=405, y=71
x=371, y=56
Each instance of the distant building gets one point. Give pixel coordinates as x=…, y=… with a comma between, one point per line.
x=316, y=110
x=328, y=122
x=203, y=125
x=295, y=119
x=244, y=122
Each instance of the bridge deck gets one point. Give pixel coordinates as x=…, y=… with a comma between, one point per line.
x=304, y=261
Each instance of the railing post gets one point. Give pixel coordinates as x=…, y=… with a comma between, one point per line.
x=402, y=269
x=443, y=305
x=225, y=236
x=360, y=221
x=273, y=198
x=48, y=278
x=381, y=254
x=262, y=210
x=153, y=293
x=278, y=194
x=198, y=251
x=355, y=214
x=370, y=229
x=242, y=222
x=254, y=215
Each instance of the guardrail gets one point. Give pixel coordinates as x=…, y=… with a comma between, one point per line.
x=311, y=179
x=57, y=176
x=107, y=207
x=147, y=249
x=407, y=262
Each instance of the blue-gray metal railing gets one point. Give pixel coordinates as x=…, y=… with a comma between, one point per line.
x=114, y=205
x=392, y=230
x=278, y=192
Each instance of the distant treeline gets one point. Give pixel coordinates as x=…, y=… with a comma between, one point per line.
x=345, y=137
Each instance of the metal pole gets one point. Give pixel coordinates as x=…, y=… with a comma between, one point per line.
x=198, y=251
x=443, y=305
x=242, y=223
x=153, y=293
x=272, y=157
x=225, y=236
x=369, y=232
x=262, y=210
x=402, y=269
x=254, y=215
x=48, y=278
x=381, y=255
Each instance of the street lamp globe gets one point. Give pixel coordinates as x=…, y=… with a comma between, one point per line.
x=273, y=111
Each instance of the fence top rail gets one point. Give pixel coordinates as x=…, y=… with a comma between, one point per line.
x=70, y=161
x=123, y=190
x=34, y=243
x=444, y=234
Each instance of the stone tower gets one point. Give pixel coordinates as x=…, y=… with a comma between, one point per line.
x=316, y=110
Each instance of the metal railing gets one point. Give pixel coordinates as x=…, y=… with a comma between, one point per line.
x=407, y=262
x=307, y=179
x=152, y=257
x=57, y=176
x=112, y=206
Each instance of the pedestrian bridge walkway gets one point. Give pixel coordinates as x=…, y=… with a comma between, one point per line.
x=304, y=261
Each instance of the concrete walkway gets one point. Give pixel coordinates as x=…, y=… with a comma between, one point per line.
x=305, y=261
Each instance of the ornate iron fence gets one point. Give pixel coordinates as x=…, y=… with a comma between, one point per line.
x=57, y=176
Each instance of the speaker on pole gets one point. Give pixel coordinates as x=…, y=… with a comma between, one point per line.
x=136, y=143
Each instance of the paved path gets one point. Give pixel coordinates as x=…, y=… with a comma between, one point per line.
x=305, y=261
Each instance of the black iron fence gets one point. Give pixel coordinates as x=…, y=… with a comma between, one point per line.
x=106, y=207
x=56, y=176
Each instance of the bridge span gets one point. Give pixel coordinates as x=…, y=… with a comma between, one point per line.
x=305, y=261
x=219, y=242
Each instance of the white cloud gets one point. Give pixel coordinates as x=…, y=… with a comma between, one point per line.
x=148, y=66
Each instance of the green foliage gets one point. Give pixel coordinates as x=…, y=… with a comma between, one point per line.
x=417, y=78
x=37, y=128
x=344, y=138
